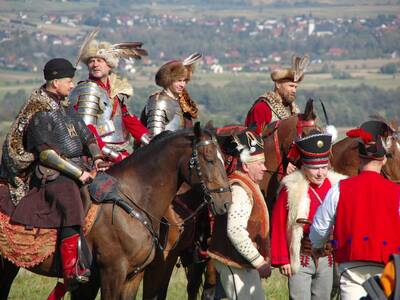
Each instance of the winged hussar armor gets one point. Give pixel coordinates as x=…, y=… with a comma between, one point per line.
x=96, y=108
x=163, y=113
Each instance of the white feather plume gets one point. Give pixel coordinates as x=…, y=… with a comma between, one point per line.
x=331, y=129
x=191, y=59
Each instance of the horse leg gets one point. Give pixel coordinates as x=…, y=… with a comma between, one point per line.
x=210, y=282
x=131, y=287
x=157, y=276
x=88, y=290
x=8, y=272
x=194, y=277
x=112, y=278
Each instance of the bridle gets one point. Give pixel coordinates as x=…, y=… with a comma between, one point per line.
x=146, y=218
x=194, y=164
x=301, y=123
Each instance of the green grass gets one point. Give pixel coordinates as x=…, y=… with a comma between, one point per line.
x=342, y=9
x=34, y=287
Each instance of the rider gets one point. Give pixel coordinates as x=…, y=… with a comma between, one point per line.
x=280, y=103
x=301, y=193
x=171, y=108
x=240, y=240
x=101, y=100
x=58, y=139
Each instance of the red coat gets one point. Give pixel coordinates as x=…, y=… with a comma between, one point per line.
x=279, y=243
x=367, y=225
x=260, y=114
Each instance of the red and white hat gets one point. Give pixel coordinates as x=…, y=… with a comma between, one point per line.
x=315, y=149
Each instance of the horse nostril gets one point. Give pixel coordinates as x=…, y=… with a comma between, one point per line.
x=227, y=205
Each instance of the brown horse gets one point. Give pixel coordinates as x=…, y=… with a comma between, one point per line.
x=123, y=244
x=277, y=140
x=345, y=159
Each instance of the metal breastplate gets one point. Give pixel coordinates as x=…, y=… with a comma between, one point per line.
x=163, y=113
x=95, y=107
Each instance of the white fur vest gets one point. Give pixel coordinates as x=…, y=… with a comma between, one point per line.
x=299, y=207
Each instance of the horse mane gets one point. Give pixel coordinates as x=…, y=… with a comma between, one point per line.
x=309, y=113
x=160, y=141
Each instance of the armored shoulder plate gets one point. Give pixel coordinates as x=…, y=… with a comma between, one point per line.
x=96, y=108
x=163, y=113
x=91, y=101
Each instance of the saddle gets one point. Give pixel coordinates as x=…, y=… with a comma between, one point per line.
x=28, y=247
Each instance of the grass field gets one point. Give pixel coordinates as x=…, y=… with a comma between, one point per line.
x=333, y=10
x=361, y=71
x=34, y=287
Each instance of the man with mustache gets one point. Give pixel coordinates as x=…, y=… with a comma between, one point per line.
x=239, y=244
x=102, y=99
x=280, y=103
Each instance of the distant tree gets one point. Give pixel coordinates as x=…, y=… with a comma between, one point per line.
x=341, y=75
x=389, y=69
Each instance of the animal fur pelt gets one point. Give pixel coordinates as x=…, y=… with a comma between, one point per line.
x=299, y=207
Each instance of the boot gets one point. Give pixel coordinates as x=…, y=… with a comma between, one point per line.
x=73, y=272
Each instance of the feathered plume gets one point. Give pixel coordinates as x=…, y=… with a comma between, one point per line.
x=85, y=43
x=191, y=59
x=129, y=50
x=299, y=65
x=360, y=133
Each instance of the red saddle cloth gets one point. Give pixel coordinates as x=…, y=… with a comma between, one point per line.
x=29, y=247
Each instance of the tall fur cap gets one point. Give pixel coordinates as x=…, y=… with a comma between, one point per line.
x=102, y=50
x=173, y=70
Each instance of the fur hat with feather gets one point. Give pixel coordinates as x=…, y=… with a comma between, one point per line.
x=111, y=53
x=176, y=70
x=295, y=73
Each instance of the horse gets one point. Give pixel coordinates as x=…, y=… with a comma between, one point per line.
x=123, y=244
x=345, y=159
x=278, y=138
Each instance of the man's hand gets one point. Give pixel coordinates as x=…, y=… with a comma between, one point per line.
x=286, y=270
x=265, y=269
x=86, y=177
x=100, y=165
x=318, y=252
x=290, y=168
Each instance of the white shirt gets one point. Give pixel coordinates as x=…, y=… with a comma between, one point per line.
x=238, y=216
x=325, y=218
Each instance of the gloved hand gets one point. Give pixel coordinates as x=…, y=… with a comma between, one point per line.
x=265, y=269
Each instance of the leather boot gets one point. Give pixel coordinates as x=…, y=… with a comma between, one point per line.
x=73, y=272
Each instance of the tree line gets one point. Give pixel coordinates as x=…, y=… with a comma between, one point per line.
x=346, y=106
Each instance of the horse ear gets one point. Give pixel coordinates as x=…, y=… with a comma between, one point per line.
x=309, y=113
x=209, y=125
x=197, y=130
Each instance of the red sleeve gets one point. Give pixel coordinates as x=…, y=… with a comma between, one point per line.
x=96, y=134
x=279, y=246
x=133, y=124
x=260, y=114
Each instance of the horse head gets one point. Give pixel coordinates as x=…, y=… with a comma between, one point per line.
x=278, y=139
x=281, y=134
x=206, y=170
x=391, y=143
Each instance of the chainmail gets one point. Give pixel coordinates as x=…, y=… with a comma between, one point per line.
x=61, y=129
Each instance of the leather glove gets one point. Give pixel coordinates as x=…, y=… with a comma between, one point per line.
x=265, y=269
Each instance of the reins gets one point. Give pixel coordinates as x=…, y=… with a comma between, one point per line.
x=207, y=197
x=299, y=130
